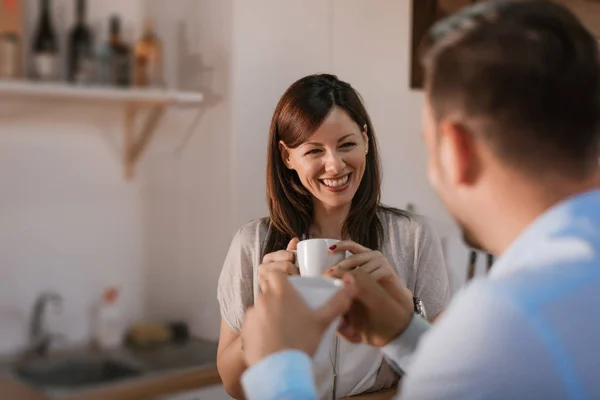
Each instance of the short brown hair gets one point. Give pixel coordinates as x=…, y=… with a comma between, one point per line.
x=529, y=70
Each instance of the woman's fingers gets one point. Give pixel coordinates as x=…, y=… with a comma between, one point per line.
x=293, y=244
x=265, y=269
x=357, y=260
x=281, y=255
x=283, y=266
x=348, y=245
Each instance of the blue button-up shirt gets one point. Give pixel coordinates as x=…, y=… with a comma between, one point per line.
x=529, y=330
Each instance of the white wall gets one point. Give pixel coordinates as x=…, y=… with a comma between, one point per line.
x=72, y=224
x=275, y=43
x=188, y=206
x=69, y=221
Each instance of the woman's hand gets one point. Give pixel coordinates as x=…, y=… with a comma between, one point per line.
x=282, y=260
x=368, y=261
x=382, y=307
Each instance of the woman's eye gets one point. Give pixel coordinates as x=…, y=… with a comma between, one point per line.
x=313, y=152
x=348, y=145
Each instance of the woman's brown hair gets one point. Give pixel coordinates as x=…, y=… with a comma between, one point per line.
x=300, y=112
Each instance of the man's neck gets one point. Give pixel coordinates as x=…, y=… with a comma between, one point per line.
x=525, y=201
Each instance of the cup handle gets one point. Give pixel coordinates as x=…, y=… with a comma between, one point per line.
x=295, y=257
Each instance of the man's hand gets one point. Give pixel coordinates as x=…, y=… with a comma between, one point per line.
x=281, y=320
x=381, y=311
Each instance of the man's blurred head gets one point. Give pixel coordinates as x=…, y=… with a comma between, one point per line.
x=512, y=89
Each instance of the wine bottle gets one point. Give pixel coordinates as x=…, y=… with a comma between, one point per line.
x=10, y=55
x=81, y=49
x=118, y=56
x=148, y=59
x=11, y=39
x=45, y=55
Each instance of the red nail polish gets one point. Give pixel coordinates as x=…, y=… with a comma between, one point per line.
x=333, y=247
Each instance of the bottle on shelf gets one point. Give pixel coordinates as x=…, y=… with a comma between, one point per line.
x=10, y=55
x=101, y=54
x=81, y=53
x=11, y=39
x=116, y=57
x=45, y=52
x=147, y=70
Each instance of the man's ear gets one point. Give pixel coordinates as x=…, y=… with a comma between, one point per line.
x=458, y=153
x=285, y=155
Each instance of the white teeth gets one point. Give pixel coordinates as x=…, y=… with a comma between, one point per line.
x=337, y=182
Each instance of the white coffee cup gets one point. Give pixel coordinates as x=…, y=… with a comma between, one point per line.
x=313, y=257
x=316, y=291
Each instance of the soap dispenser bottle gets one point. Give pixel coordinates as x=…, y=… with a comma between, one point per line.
x=109, y=324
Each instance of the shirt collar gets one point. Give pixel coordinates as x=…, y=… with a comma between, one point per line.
x=529, y=246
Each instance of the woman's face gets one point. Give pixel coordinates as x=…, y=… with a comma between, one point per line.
x=331, y=163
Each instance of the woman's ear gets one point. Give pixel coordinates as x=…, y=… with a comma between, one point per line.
x=365, y=138
x=285, y=155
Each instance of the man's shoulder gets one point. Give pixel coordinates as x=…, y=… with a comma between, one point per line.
x=535, y=324
x=484, y=342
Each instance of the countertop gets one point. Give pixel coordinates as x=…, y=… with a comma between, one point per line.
x=170, y=369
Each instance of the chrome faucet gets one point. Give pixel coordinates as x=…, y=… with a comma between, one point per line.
x=39, y=339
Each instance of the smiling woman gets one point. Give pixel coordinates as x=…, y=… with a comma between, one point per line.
x=321, y=144
x=324, y=181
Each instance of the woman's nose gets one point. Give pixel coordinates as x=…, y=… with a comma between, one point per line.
x=335, y=163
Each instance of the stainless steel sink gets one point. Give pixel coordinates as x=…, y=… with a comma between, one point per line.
x=77, y=372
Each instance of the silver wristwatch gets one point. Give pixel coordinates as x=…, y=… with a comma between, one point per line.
x=419, y=307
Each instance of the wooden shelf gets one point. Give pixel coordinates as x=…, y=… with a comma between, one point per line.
x=98, y=93
x=133, y=100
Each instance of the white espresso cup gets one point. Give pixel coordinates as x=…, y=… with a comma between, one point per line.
x=313, y=257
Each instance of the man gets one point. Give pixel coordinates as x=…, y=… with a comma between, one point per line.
x=511, y=126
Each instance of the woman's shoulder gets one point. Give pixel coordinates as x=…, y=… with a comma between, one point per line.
x=246, y=245
x=256, y=225
x=408, y=223
x=253, y=232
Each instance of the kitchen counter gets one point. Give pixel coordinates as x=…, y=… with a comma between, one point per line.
x=144, y=388
x=152, y=388
x=168, y=369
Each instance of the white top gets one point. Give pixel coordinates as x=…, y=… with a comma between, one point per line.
x=413, y=249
